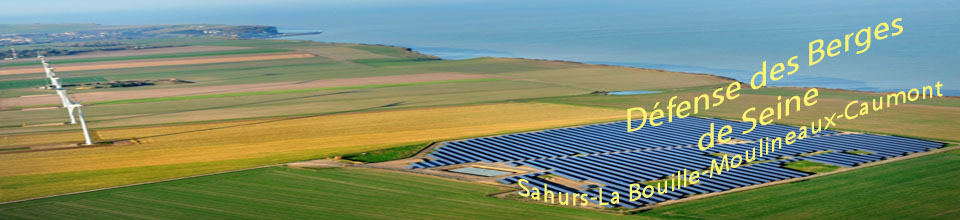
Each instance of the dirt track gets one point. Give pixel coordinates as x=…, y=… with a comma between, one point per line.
x=155, y=62
x=203, y=90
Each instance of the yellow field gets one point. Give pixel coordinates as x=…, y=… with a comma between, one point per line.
x=616, y=78
x=260, y=138
x=33, y=139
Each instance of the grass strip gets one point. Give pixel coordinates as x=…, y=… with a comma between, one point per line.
x=387, y=154
x=275, y=92
x=810, y=166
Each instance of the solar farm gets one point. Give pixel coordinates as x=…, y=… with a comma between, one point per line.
x=357, y=131
x=605, y=154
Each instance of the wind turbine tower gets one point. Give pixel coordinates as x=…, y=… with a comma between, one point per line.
x=13, y=51
x=70, y=105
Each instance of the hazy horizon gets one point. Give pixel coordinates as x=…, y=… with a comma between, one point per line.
x=724, y=38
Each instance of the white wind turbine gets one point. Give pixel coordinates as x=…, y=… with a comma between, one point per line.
x=70, y=105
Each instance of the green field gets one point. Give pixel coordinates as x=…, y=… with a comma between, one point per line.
x=33, y=83
x=810, y=166
x=204, y=133
x=917, y=188
x=288, y=193
x=386, y=154
x=284, y=104
x=274, y=92
x=154, y=56
x=512, y=79
x=384, y=50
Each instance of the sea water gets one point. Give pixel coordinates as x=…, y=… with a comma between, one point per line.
x=727, y=38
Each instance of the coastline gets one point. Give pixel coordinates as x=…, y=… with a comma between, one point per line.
x=714, y=75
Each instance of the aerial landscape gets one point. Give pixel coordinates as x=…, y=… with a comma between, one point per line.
x=143, y=115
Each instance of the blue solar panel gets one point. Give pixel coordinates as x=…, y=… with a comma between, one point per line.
x=607, y=154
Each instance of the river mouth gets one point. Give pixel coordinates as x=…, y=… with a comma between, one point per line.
x=633, y=92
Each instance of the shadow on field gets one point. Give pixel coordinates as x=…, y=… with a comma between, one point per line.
x=233, y=105
x=278, y=120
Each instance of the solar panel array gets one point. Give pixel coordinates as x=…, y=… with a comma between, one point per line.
x=607, y=154
x=589, y=139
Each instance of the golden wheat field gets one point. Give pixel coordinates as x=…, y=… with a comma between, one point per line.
x=259, y=138
x=34, y=139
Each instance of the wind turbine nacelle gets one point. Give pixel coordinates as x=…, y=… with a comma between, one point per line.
x=56, y=82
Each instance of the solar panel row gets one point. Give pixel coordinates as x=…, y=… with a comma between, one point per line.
x=880, y=147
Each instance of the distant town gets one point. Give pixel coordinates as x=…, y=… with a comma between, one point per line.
x=102, y=37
